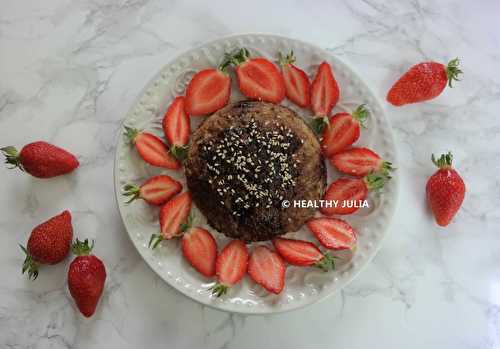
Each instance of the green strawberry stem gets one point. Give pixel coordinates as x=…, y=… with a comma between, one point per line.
x=133, y=191
x=82, y=248
x=29, y=265
x=444, y=160
x=286, y=60
x=453, y=71
x=224, y=65
x=326, y=263
x=375, y=181
x=386, y=168
x=219, y=289
x=131, y=133
x=188, y=224
x=319, y=123
x=235, y=58
x=154, y=241
x=360, y=114
x=12, y=157
x=179, y=152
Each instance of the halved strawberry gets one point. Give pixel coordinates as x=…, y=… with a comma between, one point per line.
x=359, y=162
x=208, y=91
x=297, y=86
x=151, y=149
x=325, y=91
x=177, y=128
x=230, y=267
x=200, y=250
x=258, y=78
x=173, y=219
x=333, y=233
x=155, y=191
x=341, y=131
x=346, y=192
x=267, y=268
x=303, y=254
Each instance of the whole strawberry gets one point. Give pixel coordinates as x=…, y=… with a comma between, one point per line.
x=49, y=243
x=422, y=82
x=445, y=190
x=41, y=159
x=86, y=277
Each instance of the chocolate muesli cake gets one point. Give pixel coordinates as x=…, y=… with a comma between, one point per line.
x=248, y=158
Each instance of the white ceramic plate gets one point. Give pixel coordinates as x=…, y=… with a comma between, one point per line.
x=303, y=285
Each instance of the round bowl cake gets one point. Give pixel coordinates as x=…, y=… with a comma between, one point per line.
x=247, y=165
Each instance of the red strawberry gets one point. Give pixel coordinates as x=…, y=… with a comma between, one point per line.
x=200, y=249
x=325, y=91
x=333, y=233
x=422, y=82
x=174, y=219
x=49, y=243
x=258, y=77
x=230, y=267
x=341, y=131
x=155, y=191
x=359, y=162
x=445, y=190
x=151, y=149
x=303, y=254
x=297, y=86
x=348, y=191
x=86, y=278
x=208, y=91
x=267, y=268
x=41, y=159
x=177, y=128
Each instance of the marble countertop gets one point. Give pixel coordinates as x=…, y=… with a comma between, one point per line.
x=70, y=69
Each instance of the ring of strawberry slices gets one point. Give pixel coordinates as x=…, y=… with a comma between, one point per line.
x=258, y=79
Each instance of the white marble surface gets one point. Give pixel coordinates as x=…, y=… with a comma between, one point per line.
x=71, y=69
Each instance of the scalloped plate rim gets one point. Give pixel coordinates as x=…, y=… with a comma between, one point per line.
x=228, y=307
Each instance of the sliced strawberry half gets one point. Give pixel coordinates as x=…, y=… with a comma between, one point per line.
x=155, y=191
x=333, y=233
x=208, y=91
x=177, y=128
x=267, y=268
x=230, y=267
x=297, y=86
x=258, y=78
x=342, y=130
x=200, y=250
x=359, y=162
x=303, y=253
x=325, y=91
x=173, y=219
x=151, y=149
x=346, y=191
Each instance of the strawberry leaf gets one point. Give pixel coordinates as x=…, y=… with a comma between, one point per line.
x=29, y=265
x=326, y=263
x=131, y=133
x=318, y=124
x=179, y=152
x=219, y=290
x=82, y=248
x=12, y=157
x=444, y=161
x=131, y=190
x=453, y=71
